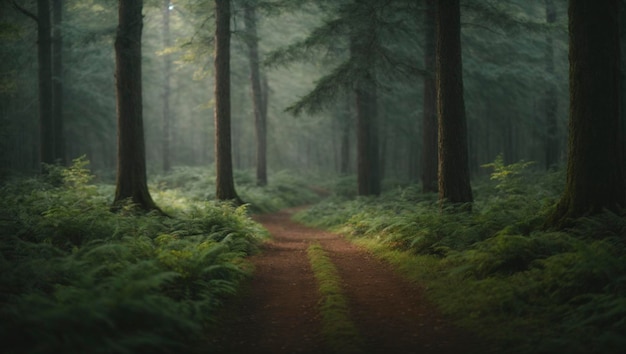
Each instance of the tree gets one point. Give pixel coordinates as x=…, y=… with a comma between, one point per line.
x=131, y=183
x=57, y=81
x=552, y=142
x=595, y=172
x=453, y=175
x=429, y=119
x=259, y=96
x=44, y=60
x=167, y=74
x=363, y=43
x=224, y=184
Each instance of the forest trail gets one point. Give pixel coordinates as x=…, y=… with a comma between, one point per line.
x=279, y=314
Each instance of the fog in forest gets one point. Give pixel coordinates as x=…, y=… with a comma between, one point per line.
x=511, y=58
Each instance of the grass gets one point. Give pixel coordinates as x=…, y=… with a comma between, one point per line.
x=524, y=289
x=337, y=327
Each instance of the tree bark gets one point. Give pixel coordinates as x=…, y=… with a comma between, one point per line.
x=429, y=119
x=224, y=185
x=453, y=174
x=550, y=96
x=44, y=59
x=167, y=74
x=258, y=101
x=362, y=41
x=57, y=82
x=595, y=172
x=131, y=181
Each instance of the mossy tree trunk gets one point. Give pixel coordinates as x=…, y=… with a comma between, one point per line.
x=259, y=97
x=453, y=174
x=595, y=169
x=224, y=184
x=131, y=181
x=429, y=118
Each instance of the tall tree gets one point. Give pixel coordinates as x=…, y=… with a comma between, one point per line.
x=259, y=96
x=57, y=81
x=167, y=75
x=454, y=178
x=429, y=119
x=595, y=172
x=363, y=43
x=550, y=96
x=131, y=155
x=224, y=184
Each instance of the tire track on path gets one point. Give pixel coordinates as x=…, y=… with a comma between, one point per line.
x=279, y=313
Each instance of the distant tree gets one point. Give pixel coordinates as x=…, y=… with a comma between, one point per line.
x=429, y=118
x=167, y=90
x=44, y=60
x=364, y=41
x=550, y=97
x=131, y=181
x=259, y=94
x=57, y=81
x=224, y=185
x=454, y=178
x=595, y=171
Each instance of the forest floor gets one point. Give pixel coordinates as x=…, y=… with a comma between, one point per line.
x=278, y=312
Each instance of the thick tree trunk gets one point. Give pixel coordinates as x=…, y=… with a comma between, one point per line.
x=224, y=184
x=44, y=59
x=454, y=179
x=57, y=82
x=429, y=119
x=258, y=101
x=550, y=96
x=131, y=156
x=167, y=74
x=595, y=172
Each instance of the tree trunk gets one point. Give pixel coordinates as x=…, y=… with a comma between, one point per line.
x=368, y=170
x=595, y=172
x=57, y=82
x=131, y=181
x=454, y=179
x=224, y=184
x=429, y=119
x=167, y=74
x=44, y=59
x=258, y=101
x=550, y=96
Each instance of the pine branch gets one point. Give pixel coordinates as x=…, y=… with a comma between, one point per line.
x=25, y=12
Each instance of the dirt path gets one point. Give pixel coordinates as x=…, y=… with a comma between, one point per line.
x=279, y=312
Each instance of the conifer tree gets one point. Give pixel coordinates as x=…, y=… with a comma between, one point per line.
x=224, y=184
x=131, y=183
x=595, y=172
x=454, y=178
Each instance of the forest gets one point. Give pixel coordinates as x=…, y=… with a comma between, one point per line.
x=312, y=176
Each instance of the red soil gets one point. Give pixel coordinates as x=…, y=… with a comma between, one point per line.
x=279, y=313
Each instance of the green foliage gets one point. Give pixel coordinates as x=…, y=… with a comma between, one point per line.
x=495, y=270
x=76, y=277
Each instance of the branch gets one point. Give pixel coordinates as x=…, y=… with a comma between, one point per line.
x=25, y=12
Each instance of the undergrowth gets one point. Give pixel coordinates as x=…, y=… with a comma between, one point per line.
x=337, y=328
x=285, y=189
x=77, y=278
x=524, y=289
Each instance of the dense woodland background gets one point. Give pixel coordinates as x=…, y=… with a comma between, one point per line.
x=349, y=96
x=511, y=58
